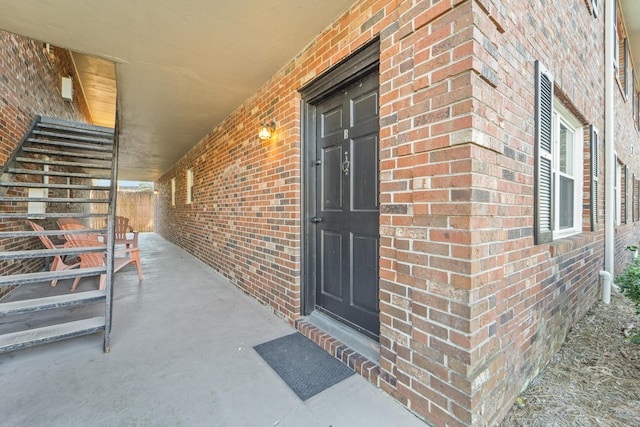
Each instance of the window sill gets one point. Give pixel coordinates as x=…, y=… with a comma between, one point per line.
x=567, y=244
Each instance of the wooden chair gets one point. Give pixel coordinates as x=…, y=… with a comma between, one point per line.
x=98, y=259
x=122, y=229
x=58, y=263
x=124, y=234
x=65, y=220
x=89, y=235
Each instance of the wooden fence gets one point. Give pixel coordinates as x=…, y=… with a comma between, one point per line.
x=137, y=205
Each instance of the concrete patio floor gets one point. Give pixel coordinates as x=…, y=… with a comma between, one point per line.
x=181, y=354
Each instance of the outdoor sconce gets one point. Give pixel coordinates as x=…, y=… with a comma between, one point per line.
x=266, y=130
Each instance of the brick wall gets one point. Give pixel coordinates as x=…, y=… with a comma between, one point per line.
x=245, y=217
x=627, y=145
x=471, y=308
x=30, y=86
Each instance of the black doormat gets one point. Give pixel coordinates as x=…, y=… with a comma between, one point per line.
x=302, y=364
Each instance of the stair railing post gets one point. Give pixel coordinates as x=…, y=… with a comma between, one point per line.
x=111, y=238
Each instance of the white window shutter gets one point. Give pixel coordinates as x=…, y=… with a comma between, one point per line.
x=616, y=39
x=626, y=194
x=595, y=172
x=543, y=224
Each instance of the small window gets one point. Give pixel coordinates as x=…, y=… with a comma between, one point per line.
x=37, y=207
x=173, y=191
x=567, y=170
x=189, y=186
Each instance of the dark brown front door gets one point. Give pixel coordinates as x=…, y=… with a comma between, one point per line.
x=347, y=207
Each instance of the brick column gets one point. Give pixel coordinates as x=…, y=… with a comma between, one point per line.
x=439, y=148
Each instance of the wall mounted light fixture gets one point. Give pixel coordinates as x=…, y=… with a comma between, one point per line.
x=266, y=130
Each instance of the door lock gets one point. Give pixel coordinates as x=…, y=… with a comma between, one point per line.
x=316, y=219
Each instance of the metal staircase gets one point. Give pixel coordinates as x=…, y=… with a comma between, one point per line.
x=50, y=175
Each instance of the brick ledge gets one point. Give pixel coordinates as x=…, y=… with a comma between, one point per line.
x=354, y=360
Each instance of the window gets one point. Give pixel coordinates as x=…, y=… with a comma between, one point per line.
x=37, y=207
x=567, y=172
x=559, y=165
x=189, y=186
x=173, y=191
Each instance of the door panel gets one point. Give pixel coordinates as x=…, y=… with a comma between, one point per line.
x=364, y=267
x=364, y=177
x=332, y=121
x=331, y=187
x=331, y=264
x=364, y=108
x=347, y=204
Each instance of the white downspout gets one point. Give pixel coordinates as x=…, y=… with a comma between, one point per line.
x=609, y=135
x=606, y=286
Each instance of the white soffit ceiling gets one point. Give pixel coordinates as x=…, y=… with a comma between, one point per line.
x=181, y=67
x=631, y=14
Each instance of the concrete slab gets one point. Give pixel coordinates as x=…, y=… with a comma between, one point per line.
x=181, y=354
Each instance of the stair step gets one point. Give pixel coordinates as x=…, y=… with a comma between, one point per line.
x=49, y=303
x=51, y=200
x=66, y=144
x=47, y=276
x=23, y=215
x=54, y=186
x=23, y=339
x=43, y=253
x=81, y=127
x=106, y=140
x=32, y=233
x=78, y=154
x=61, y=163
x=17, y=171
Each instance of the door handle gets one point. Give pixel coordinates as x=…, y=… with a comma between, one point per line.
x=316, y=219
x=346, y=163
